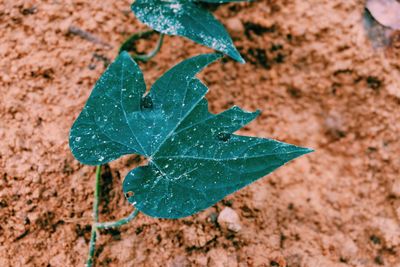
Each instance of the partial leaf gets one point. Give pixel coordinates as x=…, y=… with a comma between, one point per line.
x=386, y=12
x=194, y=159
x=102, y=133
x=186, y=18
x=222, y=1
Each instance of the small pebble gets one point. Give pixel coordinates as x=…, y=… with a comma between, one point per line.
x=235, y=25
x=229, y=219
x=396, y=188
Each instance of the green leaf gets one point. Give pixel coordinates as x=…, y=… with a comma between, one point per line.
x=188, y=19
x=222, y=1
x=194, y=159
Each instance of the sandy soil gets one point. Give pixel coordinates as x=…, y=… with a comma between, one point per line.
x=312, y=71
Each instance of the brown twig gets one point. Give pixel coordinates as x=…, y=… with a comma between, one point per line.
x=87, y=36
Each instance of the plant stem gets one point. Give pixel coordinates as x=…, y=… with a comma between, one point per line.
x=128, y=45
x=106, y=225
x=92, y=244
x=147, y=57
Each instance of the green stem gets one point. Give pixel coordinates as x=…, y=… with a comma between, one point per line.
x=106, y=225
x=92, y=244
x=96, y=194
x=128, y=45
x=147, y=57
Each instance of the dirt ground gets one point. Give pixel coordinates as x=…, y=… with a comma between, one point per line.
x=310, y=69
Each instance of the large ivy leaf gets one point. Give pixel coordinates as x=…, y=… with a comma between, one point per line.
x=221, y=1
x=194, y=159
x=188, y=19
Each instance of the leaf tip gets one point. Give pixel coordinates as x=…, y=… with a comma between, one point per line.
x=306, y=150
x=241, y=60
x=124, y=54
x=237, y=56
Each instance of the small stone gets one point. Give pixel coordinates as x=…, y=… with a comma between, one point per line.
x=219, y=257
x=398, y=213
x=36, y=193
x=294, y=260
x=196, y=236
x=179, y=261
x=393, y=90
x=235, y=25
x=395, y=190
x=348, y=249
x=388, y=229
x=6, y=78
x=229, y=219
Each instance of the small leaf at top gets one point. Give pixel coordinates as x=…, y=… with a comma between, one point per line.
x=194, y=157
x=188, y=19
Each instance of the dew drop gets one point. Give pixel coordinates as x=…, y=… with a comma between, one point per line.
x=223, y=136
x=146, y=102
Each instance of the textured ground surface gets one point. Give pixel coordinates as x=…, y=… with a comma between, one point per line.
x=312, y=72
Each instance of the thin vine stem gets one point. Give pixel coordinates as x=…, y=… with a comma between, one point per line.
x=108, y=225
x=128, y=44
x=105, y=225
x=150, y=55
x=93, y=235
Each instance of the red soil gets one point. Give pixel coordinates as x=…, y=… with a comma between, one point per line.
x=310, y=69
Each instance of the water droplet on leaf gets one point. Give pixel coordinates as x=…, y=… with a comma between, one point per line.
x=223, y=136
x=146, y=102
